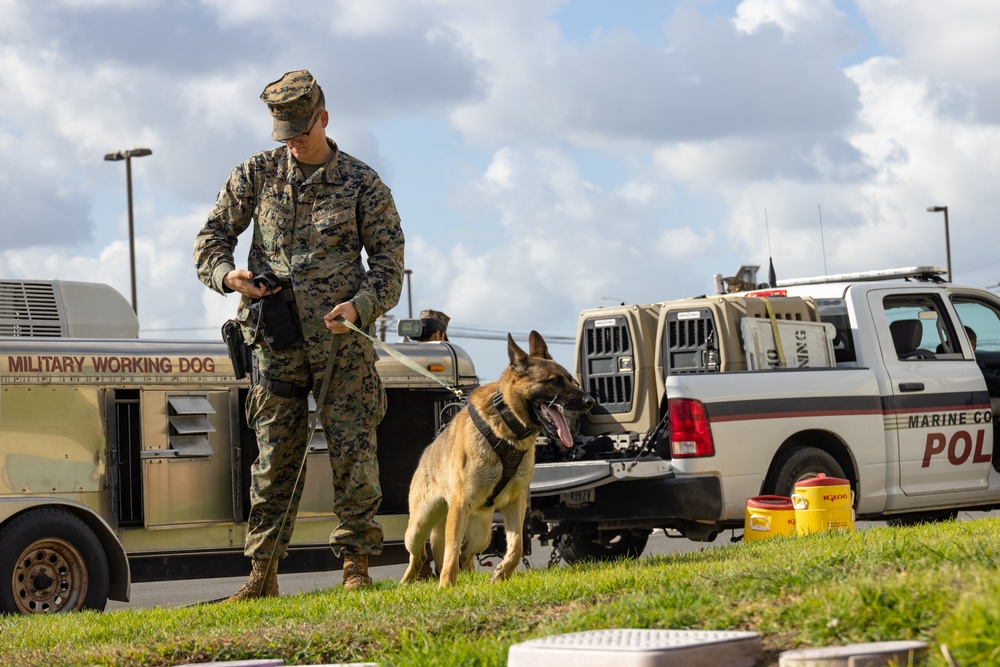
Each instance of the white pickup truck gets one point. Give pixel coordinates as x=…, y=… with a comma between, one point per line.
x=874, y=378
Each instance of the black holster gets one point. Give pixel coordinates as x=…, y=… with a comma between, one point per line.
x=240, y=354
x=276, y=319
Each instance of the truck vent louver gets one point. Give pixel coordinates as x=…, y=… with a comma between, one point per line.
x=607, y=363
x=29, y=310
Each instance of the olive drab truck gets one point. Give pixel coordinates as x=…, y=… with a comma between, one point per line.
x=707, y=402
x=124, y=459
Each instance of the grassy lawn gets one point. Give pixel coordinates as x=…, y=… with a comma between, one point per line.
x=937, y=583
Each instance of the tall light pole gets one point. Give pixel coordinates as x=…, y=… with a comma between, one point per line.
x=409, y=294
x=947, y=238
x=127, y=156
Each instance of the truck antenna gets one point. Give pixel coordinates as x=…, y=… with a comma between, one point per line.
x=822, y=240
x=772, y=279
x=767, y=232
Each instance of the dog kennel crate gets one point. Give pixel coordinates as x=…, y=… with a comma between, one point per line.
x=705, y=335
x=615, y=365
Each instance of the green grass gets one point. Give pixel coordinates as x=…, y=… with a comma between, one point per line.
x=936, y=583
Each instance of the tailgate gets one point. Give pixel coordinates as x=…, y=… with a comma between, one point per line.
x=569, y=476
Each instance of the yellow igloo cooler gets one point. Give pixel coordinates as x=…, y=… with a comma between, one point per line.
x=822, y=504
x=769, y=516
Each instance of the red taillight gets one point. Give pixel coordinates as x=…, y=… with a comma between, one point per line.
x=690, y=433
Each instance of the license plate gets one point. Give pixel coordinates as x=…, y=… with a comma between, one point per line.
x=578, y=498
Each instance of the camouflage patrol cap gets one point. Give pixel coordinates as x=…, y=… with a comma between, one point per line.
x=432, y=322
x=437, y=317
x=293, y=100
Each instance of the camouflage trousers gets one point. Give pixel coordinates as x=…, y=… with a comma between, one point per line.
x=354, y=406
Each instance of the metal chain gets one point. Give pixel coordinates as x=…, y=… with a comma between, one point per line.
x=556, y=554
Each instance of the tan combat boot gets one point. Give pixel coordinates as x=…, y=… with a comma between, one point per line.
x=254, y=588
x=356, y=572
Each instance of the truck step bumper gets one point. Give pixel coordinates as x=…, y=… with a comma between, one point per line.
x=691, y=498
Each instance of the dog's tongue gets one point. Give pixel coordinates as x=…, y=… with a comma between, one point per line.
x=556, y=417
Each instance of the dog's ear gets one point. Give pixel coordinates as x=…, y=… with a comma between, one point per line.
x=518, y=357
x=537, y=346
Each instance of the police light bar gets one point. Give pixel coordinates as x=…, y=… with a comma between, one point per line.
x=929, y=273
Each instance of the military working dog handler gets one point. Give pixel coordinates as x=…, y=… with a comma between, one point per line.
x=314, y=209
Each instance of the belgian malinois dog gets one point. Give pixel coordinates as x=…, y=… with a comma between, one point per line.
x=483, y=461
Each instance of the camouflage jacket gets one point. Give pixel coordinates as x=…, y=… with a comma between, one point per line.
x=310, y=234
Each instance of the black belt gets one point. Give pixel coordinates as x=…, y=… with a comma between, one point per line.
x=280, y=388
x=284, y=389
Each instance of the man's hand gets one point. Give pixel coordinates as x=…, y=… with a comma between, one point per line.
x=344, y=310
x=239, y=280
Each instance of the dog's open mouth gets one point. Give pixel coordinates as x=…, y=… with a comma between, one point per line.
x=554, y=422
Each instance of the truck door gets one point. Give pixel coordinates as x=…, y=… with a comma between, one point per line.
x=980, y=318
x=938, y=407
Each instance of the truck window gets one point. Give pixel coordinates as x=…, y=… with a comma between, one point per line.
x=834, y=311
x=984, y=319
x=920, y=329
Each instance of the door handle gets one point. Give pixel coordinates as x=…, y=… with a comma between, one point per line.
x=911, y=386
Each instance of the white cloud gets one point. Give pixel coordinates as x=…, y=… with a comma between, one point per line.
x=939, y=39
x=614, y=93
x=951, y=45
x=684, y=242
x=363, y=19
x=792, y=16
x=629, y=163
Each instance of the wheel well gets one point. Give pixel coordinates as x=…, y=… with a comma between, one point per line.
x=120, y=583
x=824, y=440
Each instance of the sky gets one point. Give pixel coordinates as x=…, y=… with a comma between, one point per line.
x=546, y=156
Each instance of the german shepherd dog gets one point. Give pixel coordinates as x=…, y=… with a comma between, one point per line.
x=484, y=460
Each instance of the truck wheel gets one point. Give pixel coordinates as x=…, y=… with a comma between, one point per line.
x=800, y=464
x=51, y=562
x=602, y=546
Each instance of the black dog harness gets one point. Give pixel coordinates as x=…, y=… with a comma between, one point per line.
x=509, y=455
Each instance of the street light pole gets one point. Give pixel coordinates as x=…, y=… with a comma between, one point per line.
x=127, y=156
x=947, y=237
x=409, y=293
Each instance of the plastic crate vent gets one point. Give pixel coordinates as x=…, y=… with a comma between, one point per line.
x=607, y=357
x=691, y=342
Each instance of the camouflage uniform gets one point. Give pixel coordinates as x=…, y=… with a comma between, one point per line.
x=310, y=233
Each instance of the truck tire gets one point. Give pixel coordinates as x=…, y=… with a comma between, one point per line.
x=800, y=464
x=51, y=562
x=603, y=546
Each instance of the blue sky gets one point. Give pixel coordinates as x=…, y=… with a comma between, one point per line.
x=546, y=156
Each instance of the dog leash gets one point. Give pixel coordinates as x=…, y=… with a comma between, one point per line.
x=405, y=360
x=320, y=399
